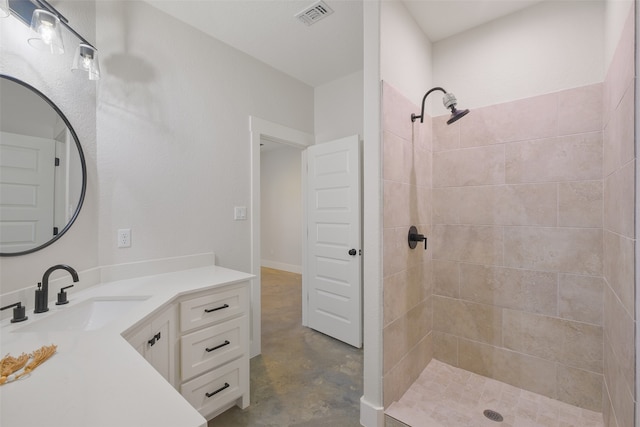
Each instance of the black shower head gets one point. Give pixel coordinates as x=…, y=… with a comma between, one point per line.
x=449, y=101
x=456, y=115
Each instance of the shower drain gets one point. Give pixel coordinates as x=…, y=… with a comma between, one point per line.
x=493, y=415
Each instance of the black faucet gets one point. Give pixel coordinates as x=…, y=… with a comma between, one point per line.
x=42, y=293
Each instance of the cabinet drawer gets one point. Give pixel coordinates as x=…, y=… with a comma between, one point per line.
x=215, y=389
x=211, y=347
x=212, y=308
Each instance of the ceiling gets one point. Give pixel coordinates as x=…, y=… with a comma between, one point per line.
x=330, y=48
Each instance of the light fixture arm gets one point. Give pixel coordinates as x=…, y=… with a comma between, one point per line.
x=421, y=116
x=64, y=21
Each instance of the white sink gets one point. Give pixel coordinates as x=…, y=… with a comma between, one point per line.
x=88, y=315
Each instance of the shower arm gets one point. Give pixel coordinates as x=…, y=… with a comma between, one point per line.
x=421, y=116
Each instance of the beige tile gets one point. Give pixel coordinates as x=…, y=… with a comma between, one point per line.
x=397, y=158
x=580, y=204
x=619, y=329
x=520, y=370
x=446, y=205
x=568, y=250
x=619, y=270
x=622, y=402
x=420, y=205
x=396, y=113
x=446, y=278
x=530, y=118
x=619, y=134
x=526, y=204
x=526, y=290
x=465, y=319
x=397, y=255
x=419, y=322
x=566, y=158
x=580, y=110
x=475, y=244
x=395, y=339
x=445, y=348
x=472, y=166
x=580, y=388
x=619, y=198
x=396, y=203
x=445, y=137
x=580, y=298
x=420, y=170
x=570, y=343
x=397, y=296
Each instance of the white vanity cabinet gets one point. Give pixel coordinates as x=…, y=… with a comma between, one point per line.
x=214, y=349
x=156, y=341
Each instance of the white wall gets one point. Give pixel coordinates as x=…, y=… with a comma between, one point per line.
x=281, y=209
x=75, y=95
x=548, y=47
x=405, y=52
x=173, y=135
x=338, y=108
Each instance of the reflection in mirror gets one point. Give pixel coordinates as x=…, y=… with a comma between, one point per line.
x=42, y=170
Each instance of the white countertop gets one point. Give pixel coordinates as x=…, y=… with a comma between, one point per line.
x=96, y=378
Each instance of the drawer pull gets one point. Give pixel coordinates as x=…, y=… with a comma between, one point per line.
x=225, y=386
x=209, y=350
x=211, y=310
x=153, y=340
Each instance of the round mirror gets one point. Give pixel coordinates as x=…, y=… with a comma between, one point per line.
x=43, y=174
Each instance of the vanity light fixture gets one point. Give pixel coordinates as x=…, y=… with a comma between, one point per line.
x=46, y=22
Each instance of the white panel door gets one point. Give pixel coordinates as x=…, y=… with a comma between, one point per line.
x=334, y=290
x=27, y=166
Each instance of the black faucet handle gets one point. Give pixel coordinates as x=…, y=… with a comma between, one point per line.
x=18, y=312
x=62, y=295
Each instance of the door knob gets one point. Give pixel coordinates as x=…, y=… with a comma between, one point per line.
x=352, y=252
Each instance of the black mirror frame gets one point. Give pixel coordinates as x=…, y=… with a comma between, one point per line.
x=82, y=162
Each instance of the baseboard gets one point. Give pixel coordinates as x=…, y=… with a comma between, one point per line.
x=371, y=415
x=291, y=268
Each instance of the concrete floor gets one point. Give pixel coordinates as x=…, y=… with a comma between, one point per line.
x=302, y=378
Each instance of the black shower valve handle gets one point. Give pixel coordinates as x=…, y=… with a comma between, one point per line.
x=415, y=237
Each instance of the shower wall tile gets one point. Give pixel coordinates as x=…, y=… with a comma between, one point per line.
x=619, y=146
x=473, y=166
x=570, y=343
x=580, y=204
x=469, y=243
x=526, y=290
x=567, y=250
x=619, y=268
x=446, y=205
x=621, y=398
x=619, y=329
x=580, y=388
x=564, y=158
x=521, y=370
x=478, y=322
x=526, y=204
x=445, y=137
x=619, y=202
x=580, y=110
x=446, y=278
x=396, y=113
x=580, y=298
x=445, y=348
x=530, y=118
x=407, y=274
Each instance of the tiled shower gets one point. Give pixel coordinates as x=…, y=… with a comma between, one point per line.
x=529, y=274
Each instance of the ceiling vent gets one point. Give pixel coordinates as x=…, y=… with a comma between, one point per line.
x=314, y=13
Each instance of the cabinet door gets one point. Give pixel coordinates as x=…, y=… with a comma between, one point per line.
x=162, y=353
x=156, y=341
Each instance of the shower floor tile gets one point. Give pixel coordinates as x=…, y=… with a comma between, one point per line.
x=445, y=396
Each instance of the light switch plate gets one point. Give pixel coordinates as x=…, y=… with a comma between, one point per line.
x=240, y=213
